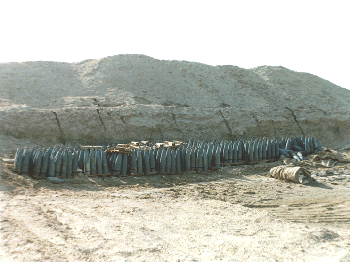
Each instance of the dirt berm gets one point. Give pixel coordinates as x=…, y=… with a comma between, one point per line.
x=134, y=97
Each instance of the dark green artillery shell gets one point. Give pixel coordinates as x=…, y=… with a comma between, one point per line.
x=81, y=160
x=235, y=152
x=52, y=166
x=264, y=150
x=297, y=148
x=64, y=163
x=104, y=162
x=283, y=143
x=273, y=147
x=19, y=160
x=277, y=150
x=210, y=155
x=76, y=162
x=125, y=164
x=118, y=164
x=37, y=164
x=70, y=164
x=146, y=162
x=311, y=143
x=295, y=157
x=58, y=163
x=284, y=153
x=93, y=168
x=86, y=162
x=193, y=159
x=256, y=151
x=133, y=162
x=217, y=157
x=240, y=151
x=188, y=160
x=230, y=152
x=152, y=161
x=45, y=162
x=182, y=157
x=307, y=146
x=26, y=161
x=139, y=162
x=158, y=156
x=205, y=160
x=225, y=153
x=288, y=144
x=162, y=164
x=260, y=149
x=199, y=160
x=173, y=162
x=168, y=161
x=178, y=160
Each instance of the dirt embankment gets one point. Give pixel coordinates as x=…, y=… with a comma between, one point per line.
x=130, y=97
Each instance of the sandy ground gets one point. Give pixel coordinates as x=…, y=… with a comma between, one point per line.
x=234, y=214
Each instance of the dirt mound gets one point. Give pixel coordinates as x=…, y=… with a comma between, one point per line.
x=127, y=97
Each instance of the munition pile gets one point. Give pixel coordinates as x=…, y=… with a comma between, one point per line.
x=140, y=158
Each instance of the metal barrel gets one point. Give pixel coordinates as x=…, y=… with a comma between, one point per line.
x=58, y=163
x=152, y=161
x=199, y=160
x=133, y=162
x=178, y=160
x=139, y=162
x=125, y=164
x=168, y=161
x=146, y=162
x=104, y=162
x=93, y=168
x=173, y=162
x=118, y=164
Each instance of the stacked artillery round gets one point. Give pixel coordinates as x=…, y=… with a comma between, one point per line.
x=140, y=158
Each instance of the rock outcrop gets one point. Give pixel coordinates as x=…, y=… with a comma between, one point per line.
x=135, y=97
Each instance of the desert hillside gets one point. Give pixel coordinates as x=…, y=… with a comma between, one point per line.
x=127, y=97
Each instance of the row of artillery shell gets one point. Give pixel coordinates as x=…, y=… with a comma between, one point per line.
x=65, y=162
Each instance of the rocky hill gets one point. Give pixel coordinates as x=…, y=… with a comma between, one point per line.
x=134, y=97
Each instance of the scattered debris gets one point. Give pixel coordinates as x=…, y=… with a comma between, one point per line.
x=55, y=180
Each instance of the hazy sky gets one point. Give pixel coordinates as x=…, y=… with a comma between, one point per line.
x=305, y=36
